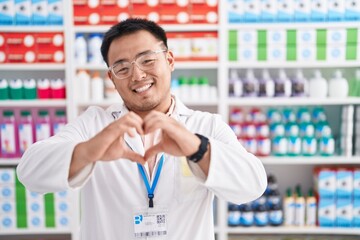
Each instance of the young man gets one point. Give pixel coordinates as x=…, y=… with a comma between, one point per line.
x=147, y=169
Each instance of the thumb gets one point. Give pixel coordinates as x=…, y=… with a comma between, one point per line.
x=152, y=151
x=133, y=156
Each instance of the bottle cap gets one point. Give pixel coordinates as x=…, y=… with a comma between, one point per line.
x=25, y=113
x=60, y=113
x=43, y=113
x=8, y=113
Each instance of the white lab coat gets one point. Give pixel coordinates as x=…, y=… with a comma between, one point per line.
x=110, y=191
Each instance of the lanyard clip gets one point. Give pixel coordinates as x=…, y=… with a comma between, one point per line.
x=151, y=202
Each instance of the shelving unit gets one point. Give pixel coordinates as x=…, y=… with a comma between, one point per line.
x=285, y=165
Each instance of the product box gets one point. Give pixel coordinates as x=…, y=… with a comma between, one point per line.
x=344, y=213
x=55, y=12
x=305, y=36
x=112, y=14
x=21, y=47
x=7, y=12
x=247, y=53
x=203, y=11
x=251, y=10
x=319, y=10
x=174, y=15
x=326, y=213
x=356, y=184
x=7, y=176
x=336, y=36
x=276, y=37
x=50, y=47
x=306, y=52
x=344, y=183
x=204, y=46
x=3, y=48
x=285, y=10
x=84, y=15
x=180, y=45
x=268, y=11
x=325, y=182
x=335, y=53
x=23, y=12
x=356, y=213
x=302, y=10
x=336, y=10
x=276, y=53
x=7, y=222
x=247, y=37
x=352, y=10
x=7, y=192
x=35, y=210
x=39, y=11
x=235, y=11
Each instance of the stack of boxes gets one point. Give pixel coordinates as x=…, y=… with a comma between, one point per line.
x=22, y=209
x=347, y=126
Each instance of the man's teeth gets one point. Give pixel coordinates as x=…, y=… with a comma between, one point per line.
x=144, y=88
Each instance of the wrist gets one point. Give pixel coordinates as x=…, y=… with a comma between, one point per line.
x=201, y=151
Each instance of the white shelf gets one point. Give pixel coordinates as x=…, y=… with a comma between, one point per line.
x=316, y=160
x=282, y=101
x=33, y=103
x=168, y=28
x=274, y=64
x=9, y=162
x=291, y=25
x=294, y=230
x=34, y=232
x=32, y=28
x=32, y=66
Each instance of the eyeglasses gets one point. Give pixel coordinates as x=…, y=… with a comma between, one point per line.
x=145, y=62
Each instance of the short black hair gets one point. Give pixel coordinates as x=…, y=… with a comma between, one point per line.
x=128, y=26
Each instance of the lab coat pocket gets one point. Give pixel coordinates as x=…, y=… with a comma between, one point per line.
x=188, y=188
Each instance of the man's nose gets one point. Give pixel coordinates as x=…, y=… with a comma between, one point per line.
x=137, y=73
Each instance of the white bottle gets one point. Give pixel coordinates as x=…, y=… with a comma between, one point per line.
x=338, y=86
x=266, y=85
x=94, y=45
x=318, y=86
x=235, y=86
x=83, y=84
x=80, y=49
x=97, y=87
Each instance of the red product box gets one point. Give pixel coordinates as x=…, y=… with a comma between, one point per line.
x=84, y=15
x=174, y=15
x=112, y=14
x=50, y=47
x=21, y=47
x=3, y=48
x=143, y=10
x=203, y=13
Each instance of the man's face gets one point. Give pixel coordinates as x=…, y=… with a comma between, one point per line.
x=142, y=90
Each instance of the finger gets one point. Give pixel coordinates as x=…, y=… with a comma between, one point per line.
x=134, y=157
x=152, y=151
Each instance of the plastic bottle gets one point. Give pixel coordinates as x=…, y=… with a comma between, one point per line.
x=326, y=142
x=233, y=215
x=194, y=89
x=16, y=89
x=42, y=125
x=247, y=215
x=282, y=85
x=338, y=86
x=26, y=130
x=4, y=89
x=80, y=49
x=311, y=208
x=9, y=136
x=318, y=86
x=235, y=84
x=43, y=88
x=299, y=207
x=289, y=208
x=250, y=84
x=308, y=142
x=83, y=85
x=59, y=121
x=204, y=88
x=97, y=87
x=57, y=88
x=94, y=45
x=184, y=88
x=299, y=85
x=276, y=214
x=354, y=85
x=30, y=89
x=261, y=215
x=266, y=85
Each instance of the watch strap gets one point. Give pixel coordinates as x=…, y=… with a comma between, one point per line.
x=203, y=147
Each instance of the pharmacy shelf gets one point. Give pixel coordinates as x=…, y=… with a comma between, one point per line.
x=9, y=162
x=32, y=66
x=283, y=101
x=168, y=28
x=178, y=65
x=32, y=28
x=303, y=64
x=34, y=103
x=315, y=160
x=290, y=25
x=293, y=230
x=19, y=232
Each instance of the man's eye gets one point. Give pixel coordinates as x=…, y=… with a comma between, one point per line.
x=122, y=70
x=148, y=61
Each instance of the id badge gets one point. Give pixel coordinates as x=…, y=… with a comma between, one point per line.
x=150, y=223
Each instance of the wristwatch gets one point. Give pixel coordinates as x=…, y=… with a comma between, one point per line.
x=203, y=147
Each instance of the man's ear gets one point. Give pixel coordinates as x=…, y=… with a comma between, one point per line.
x=170, y=59
x=110, y=77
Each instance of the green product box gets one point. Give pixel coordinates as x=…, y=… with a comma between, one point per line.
x=233, y=40
x=261, y=37
x=291, y=53
x=262, y=53
x=351, y=51
x=352, y=36
x=291, y=37
x=233, y=55
x=321, y=37
x=321, y=52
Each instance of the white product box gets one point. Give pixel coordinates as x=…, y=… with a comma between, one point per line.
x=319, y=10
x=7, y=176
x=336, y=36
x=336, y=10
x=22, y=12
x=7, y=192
x=7, y=222
x=335, y=53
x=356, y=213
x=276, y=36
x=352, y=9
x=302, y=10
x=285, y=10
x=344, y=213
x=7, y=12
x=306, y=52
x=7, y=208
x=39, y=12
x=276, y=53
x=247, y=53
x=181, y=47
x=247, y=37
x=204, y=47
x=344, y=183
x=36, y=221
x=55, y=12
x=235, y=10
x=251, y=10
x=356, y=183
x=326, y=213
x=306, y=36
x=62, y=222
x=326, y=183
x=268, y=10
